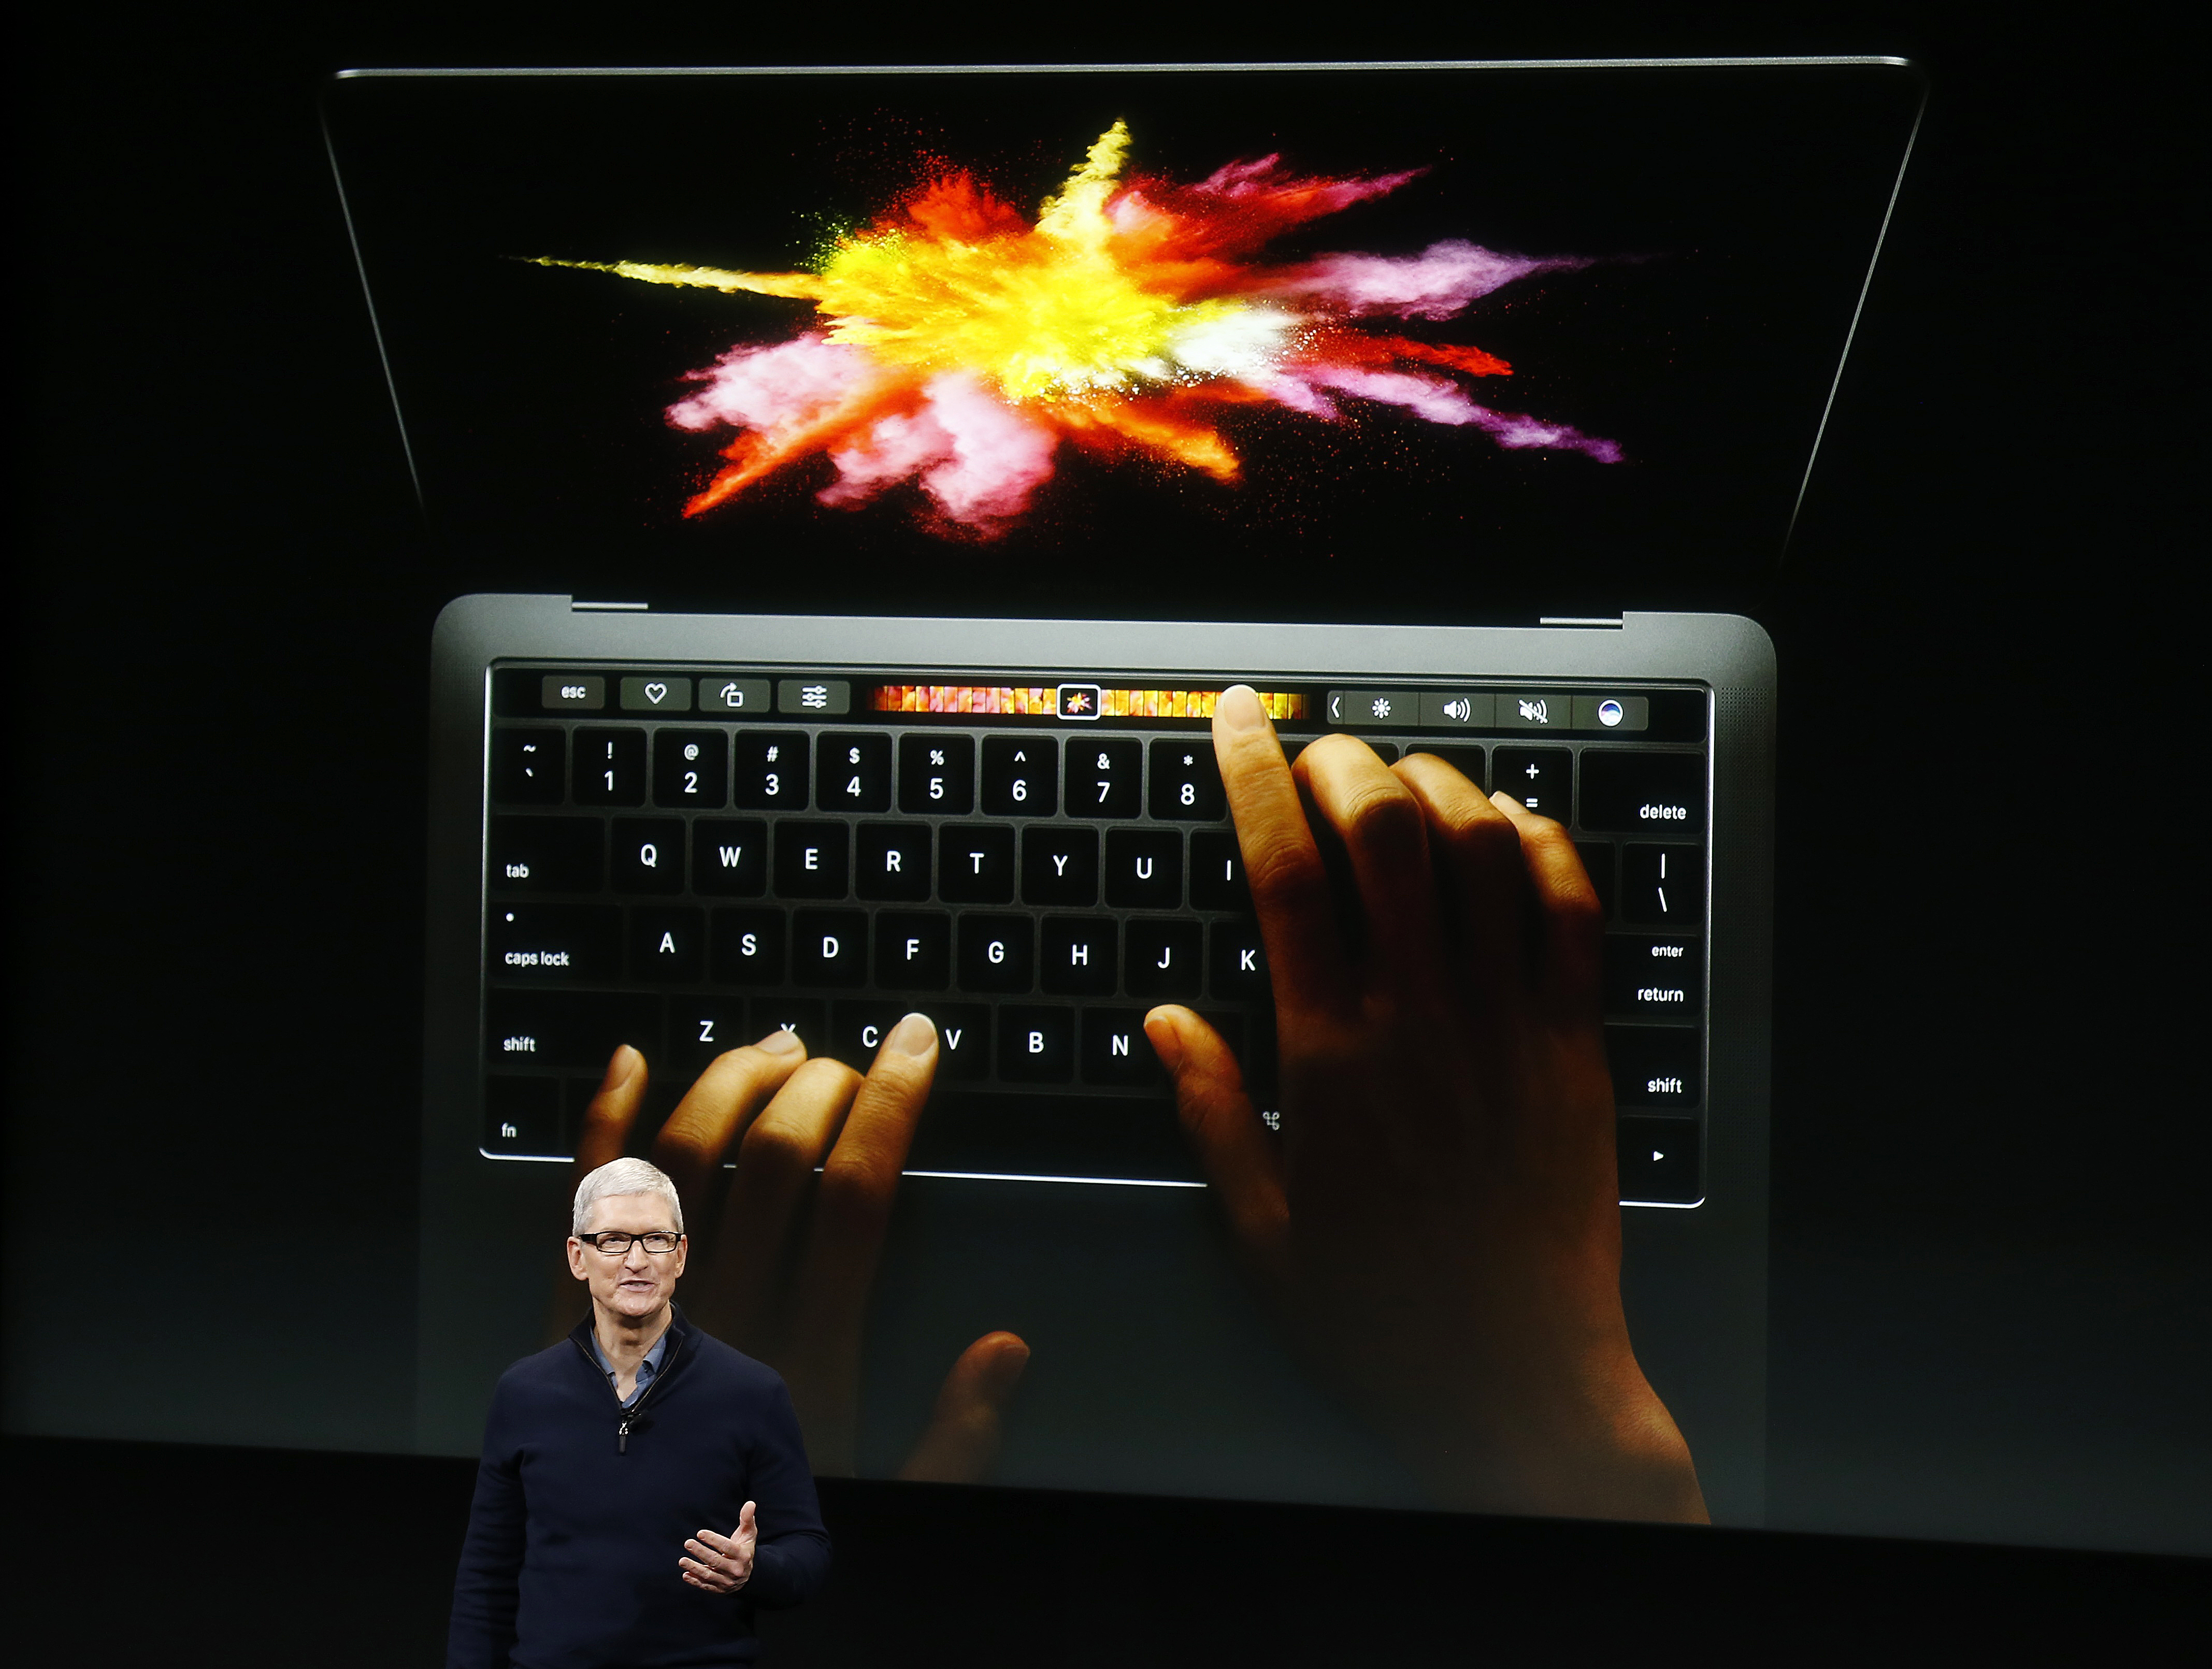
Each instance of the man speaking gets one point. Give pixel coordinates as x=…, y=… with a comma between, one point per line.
x=643, y=1488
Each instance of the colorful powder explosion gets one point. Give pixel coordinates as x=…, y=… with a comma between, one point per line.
x=961, y=343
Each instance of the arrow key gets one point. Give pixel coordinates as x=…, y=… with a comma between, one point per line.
x=1658, y=1160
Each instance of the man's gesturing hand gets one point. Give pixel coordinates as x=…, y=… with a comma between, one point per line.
x=722, y=1564
x=1437, y=1226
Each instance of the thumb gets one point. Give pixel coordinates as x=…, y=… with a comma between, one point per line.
x=746, y=1530
x=964, y=1430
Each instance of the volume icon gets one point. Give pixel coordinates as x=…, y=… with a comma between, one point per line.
x=1458, y=710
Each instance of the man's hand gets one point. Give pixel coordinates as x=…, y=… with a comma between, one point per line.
x=1437, y=1226
x=722, y=1564
x=783, y=1260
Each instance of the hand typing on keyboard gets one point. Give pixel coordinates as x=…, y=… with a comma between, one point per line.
x=1437, y=1224
x=783, y=1259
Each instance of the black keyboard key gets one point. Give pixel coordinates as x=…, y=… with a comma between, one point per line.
x=729, y=857
x=937, y=773
x=853, y=772
x=1144, y=868
x=975, y=866
x=805, y=1018
x=1663, y=886
x=1040, y=1133
x=1658, y=1160
x=1103, y=776
x=810, y=859
x=964, y=1041
x=1186, y=781
x=770, y=774
x=1466, y=759
x=649, y=855
x=914, y=949
x=892, y=862
x=857, y=1030
x=691, y=769
x=1217, y=874
x=1078, y=956
x=1652, y=978
x=577, y=1030
x=1060, y=864
x=522, y=1118
x=1251, y=1039
x=1598, y=859
x=527, y=767
x=667, y=945
x=610, y=767
x=829, y=948
x=1021, y=776
x=1644, y=793
x=1036, y=1045
x=1239, y=961
x=545, y=854
x=1540, y=778
x=749, y=947
x=997, y=953
x=555, y=942
x=1655, y=1066
x=701, y=1029
x=1165, y=960
x=1117, y=1052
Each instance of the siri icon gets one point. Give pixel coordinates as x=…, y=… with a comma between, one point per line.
x=1609, y=712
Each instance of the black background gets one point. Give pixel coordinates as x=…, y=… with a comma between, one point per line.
x=1991, y=1260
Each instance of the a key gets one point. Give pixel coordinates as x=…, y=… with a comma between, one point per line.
x=667, y=944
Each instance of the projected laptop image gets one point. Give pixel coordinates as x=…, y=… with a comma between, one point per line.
x=859, y=487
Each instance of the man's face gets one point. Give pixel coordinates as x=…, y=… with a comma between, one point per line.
x=638, y=1283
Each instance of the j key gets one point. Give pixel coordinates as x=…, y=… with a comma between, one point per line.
x=1239, y=961
x=771, y=771
x=1060, y=865
x=806, y=1019
x=1597, y=858
x=649, y=855
x=1655, y=1067
x=1538, y=777
x=667, y=945
x=610, y=767
x=1036, y=1045
x=1021, y=774
x=527, y=767
x=810, y=859
x=963, y=1039
x=914, y=949
x=1663, y=886
x=572, y=1028
x=937, y=773
x=729, y=856
x=829, y=948
x=975, y=866
x=891, y=861
x=857, y=1030
x=1466, y=761
x=1644, y=793
x=853, y=772
x=1077, y=955
x=1115, y=1050
x=523, y=1116
x=691, y=769
x=1186, y=781
x=701, y=1028
x=1217, y=873
x=1144, y=869
x=555, y=942
x=1102, y=776
x=748, y=946
x=1648, y=978
x=997, y=953
x=1658, y=1161
x=545, y=854
x=1165, y=959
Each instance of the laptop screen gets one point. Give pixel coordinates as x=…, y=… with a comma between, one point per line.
x=1427, y=345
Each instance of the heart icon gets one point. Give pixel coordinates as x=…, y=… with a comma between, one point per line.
x=655, y=692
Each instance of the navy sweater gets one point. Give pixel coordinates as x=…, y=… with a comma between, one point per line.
x=574, y=1538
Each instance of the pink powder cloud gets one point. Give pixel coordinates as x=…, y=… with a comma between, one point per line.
x=1437, y=283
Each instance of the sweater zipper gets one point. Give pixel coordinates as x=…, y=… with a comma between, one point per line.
x=625, y=1415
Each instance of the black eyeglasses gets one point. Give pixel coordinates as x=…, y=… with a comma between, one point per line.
x=614, y=1243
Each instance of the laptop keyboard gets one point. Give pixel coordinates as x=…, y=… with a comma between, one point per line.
x=685, y=859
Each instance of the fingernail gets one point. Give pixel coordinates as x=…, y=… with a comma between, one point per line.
x=622, y=1067
x=778, y=1042
x=1502, y=796
x=1238, y=710
x=1166, y=1042
x=913, y=1035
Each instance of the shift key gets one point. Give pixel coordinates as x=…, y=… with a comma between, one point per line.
x=555, y=942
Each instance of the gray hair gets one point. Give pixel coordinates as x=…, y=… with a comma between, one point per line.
x=624, y=1176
